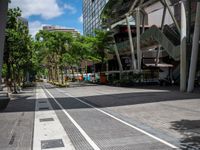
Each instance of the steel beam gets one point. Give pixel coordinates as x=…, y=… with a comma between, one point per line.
x=183, y=71
x=131, y=44
x=162, y=27
x=138, y=38
x=172, y=15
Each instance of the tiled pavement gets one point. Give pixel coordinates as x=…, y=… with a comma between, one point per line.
x=168, y=115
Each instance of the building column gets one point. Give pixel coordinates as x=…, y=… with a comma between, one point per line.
x=195, y=48
x=118, y=58
x=3, y=19
x=138, y=38
x=133, y=65
x=162, y=27
x=183, y=71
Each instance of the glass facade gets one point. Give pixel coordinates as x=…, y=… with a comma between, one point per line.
x=91, y=15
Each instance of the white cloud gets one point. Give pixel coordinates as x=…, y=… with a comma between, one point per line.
x=34, y=27
x=70, y=8
x=47, y=9
x=80, y=19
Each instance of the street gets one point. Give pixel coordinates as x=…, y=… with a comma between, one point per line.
x=96, y=117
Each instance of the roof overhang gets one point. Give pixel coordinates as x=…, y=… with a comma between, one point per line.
x=115, y=11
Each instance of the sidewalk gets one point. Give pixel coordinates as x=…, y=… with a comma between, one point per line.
x=164, y=112
x=16, y=121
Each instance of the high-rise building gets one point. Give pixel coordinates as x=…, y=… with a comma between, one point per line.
x=91, y=15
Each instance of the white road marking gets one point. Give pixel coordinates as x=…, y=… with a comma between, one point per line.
x=126, y=123
x=48, y=130
x=89, y=140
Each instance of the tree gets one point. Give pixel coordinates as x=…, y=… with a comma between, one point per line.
x=102, y=45
x=54, y=46
x=18, y=48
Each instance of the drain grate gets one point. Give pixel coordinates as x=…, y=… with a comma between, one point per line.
x=46, y=119
x=42, y=101
x=12, y=139
x=56, y=143
x=44, y=108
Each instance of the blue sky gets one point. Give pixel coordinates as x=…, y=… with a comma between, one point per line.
x=62, y=13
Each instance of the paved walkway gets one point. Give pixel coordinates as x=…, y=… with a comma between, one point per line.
x=16, y=122
x=100, y=117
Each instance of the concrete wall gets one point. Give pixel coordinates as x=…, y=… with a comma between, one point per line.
x=3, y=18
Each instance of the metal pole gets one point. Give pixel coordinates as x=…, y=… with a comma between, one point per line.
x=183, y=48
x=138, y=38
x=172, y=15
x=131, y=44
x=162, y=27
x=3, y=19
x=143, y=23
x=133, y=6
x=118, y=58
x=195, y=47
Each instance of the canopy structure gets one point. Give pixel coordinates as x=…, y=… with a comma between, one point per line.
x=115, y=11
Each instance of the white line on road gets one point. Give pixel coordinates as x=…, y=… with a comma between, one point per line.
x=126, y=123
x=89, y=140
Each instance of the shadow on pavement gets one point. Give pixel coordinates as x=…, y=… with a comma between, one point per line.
x=22, y=102
x=25, y=101
x=190, y=129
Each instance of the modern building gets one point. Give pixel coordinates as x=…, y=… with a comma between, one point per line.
x=159, y=43
x=74, y=32
x=91, y=15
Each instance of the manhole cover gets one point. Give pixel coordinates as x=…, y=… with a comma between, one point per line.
x=46, y=119
x=43, y=108
x=45, y=144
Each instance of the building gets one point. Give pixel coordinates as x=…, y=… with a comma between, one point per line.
x=3, y=16
x=74, y=32
x=157, y=43
x=91, y=15
x=23, y=20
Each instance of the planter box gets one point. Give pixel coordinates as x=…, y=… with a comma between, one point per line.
x=4, y=102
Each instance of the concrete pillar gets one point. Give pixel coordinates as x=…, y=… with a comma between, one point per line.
x=183, y=71
x=195, y=47
x=138, y=38
x=118, y=58
x=3, y=19
x=131, y=44
x=162, y=27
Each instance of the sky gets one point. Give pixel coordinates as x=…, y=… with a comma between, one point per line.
x=62, y=13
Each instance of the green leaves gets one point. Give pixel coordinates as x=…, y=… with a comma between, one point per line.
x=18, y=47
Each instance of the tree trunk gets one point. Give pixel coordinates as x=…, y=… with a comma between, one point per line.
x=73, y=74
x=62, y=76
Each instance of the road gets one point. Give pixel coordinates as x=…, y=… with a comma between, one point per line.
x=86, y=125
x=89, y=116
